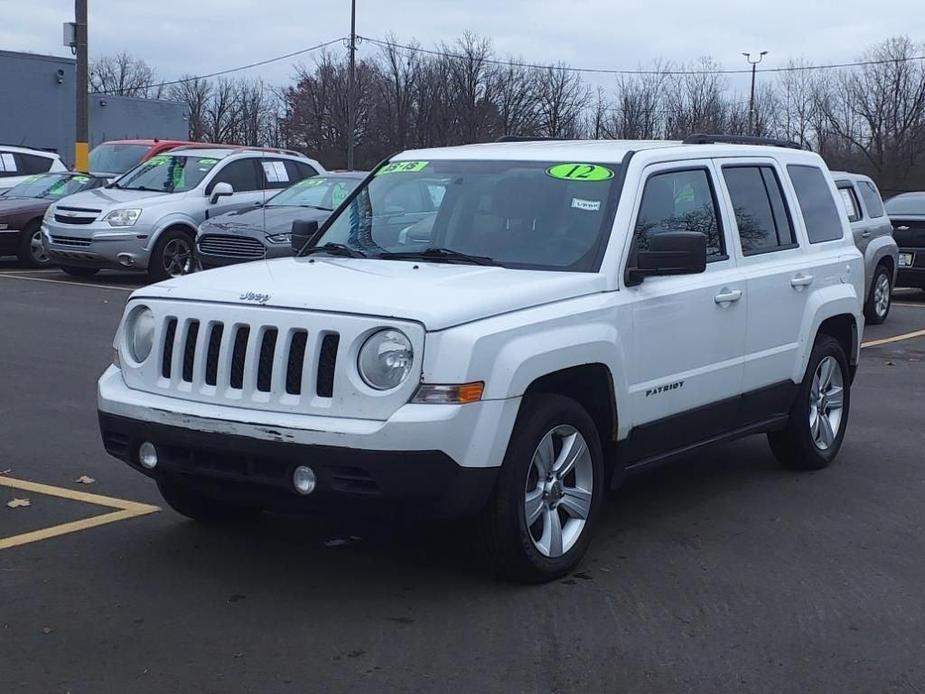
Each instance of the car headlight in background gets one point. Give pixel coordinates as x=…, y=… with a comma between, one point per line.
x=139, y=333
x=122, y=218
x=49, y=213
x=280, y=238
x=385, y=359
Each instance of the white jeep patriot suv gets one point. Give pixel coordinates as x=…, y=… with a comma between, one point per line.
x=560, y=314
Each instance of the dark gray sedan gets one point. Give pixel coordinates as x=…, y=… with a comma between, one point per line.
x=263, y=232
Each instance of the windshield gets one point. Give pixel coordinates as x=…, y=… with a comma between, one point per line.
x=50, y=186
x=906, y=204
x=325, y=192
x=167, y=173
x=537, y=215
x=116, y=158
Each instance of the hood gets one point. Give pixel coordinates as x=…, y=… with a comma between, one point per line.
x=438, y=295
x=263, y=220
x=21, y=208
x=113, y=197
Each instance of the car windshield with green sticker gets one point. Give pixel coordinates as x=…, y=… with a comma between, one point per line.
x=528, y=215
x=167, y=173
x=51, y=186
x=317, y=192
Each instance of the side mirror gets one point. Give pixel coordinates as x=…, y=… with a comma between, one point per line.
x=220, y=190
x=670, y=253
x=302, y=233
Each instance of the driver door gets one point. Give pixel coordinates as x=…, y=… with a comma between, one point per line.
x=246, y=181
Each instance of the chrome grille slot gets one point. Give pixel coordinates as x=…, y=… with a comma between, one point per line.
x=327, y=363
x=239, y=247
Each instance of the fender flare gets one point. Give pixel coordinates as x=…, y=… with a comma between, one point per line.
x=174, y=220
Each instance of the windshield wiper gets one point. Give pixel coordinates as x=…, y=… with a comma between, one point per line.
x=445, y=255
x=146, y=189
x=335, y=249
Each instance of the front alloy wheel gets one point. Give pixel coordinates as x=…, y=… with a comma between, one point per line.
x=178, y=257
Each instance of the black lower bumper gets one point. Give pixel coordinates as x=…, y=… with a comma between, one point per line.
x=258, y=472
x=911, y=277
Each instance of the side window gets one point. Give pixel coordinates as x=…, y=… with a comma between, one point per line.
x=761, y=214
x=241, y=174
x=31, y=164
x=680, y=201
x=299, y=170
x=851, y=203
x=816, y=203
x=276, y=174
x=8, y=166
x=871, y=198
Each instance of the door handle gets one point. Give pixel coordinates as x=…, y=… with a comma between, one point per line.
x=728, y=296
x=866, y=234
x=801, y=281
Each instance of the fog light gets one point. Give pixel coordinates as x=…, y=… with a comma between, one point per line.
x=147, y=455
x=125, y=260
x=303, y=479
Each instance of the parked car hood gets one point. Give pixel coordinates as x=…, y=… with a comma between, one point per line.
x=114, y=197
x=274, y=219
x=11, y=208
x=436, y=294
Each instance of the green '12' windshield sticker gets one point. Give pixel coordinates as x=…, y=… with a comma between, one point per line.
x=403, y=167
x=580, y=172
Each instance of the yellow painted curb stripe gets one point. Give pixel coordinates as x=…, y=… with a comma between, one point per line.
x=74, y=495
x=896, y=338
x=65, y=528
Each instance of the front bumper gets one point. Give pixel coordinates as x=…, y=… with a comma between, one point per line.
x=96, y=245
x=912, y=276
x=438, y=460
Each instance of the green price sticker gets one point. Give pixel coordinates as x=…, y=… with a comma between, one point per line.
x=580, y=172
x=157, y=161
x=310, y=182
x=339, y=194
x=81, y=179
x=208, y=162
x=403, y=167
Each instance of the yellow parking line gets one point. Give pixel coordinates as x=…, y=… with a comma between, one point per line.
x=895, y=338
x=124, y=510
x=70, y=283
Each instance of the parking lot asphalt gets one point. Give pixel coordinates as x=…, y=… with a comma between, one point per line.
x=719, y=574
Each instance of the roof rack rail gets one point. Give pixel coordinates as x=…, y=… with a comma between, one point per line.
x=701, y=139
x=528, y=138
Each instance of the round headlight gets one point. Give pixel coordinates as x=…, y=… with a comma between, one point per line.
x=140, y=333
x=385, y=359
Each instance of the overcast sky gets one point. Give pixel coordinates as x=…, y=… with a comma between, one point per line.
x=199, y=36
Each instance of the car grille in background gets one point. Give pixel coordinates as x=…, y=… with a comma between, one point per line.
x=254, y=358
x=237, y=247
x=909, y=233
x=70, y=241
x=75, y=215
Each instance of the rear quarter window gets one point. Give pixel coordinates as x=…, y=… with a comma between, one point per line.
x=871, y=198
x=820, y=215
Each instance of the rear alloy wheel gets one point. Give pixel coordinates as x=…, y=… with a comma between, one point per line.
x=538, y=524
x=172, y=256
x=878, y=303
x=31, y=252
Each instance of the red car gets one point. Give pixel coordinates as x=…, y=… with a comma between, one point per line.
x=118, y=156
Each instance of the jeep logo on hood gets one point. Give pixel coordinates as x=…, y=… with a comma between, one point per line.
x=254, y=296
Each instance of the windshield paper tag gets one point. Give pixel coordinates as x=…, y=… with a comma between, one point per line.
x=580, y=172
x=589, y=205
x=403, y=167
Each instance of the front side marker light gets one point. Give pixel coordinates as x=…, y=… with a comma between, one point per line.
x=452, y=394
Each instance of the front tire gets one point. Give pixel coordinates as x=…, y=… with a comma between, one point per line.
x=31, y=251
x=819, y=416
x=539, y=521
x=201, y=507
x=877, y=306
x=172, y=256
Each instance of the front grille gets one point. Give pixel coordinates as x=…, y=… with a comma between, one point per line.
x=70, y=241
x=76, y=215
x=259, y=358
x=237, y=247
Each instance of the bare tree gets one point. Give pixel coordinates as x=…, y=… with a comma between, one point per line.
x=561, y=100
x=124, y=75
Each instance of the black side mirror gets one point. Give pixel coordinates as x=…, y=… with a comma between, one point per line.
x=302, y=233
x=669, y=253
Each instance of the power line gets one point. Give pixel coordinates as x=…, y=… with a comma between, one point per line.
x=251, y=65
x=607, y=71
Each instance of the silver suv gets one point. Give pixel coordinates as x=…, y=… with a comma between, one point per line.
x=873, y=235
x=147, y=219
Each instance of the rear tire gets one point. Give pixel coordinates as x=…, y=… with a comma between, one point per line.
x=554, y=434
x=202, y=507
x=879, y=301
x=31, y=252
x=77, y=271
x=173, y=256
x=819, y=416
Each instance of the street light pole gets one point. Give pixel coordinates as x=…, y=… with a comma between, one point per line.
x=751, y=101
x=351, y=85
x=82, y=139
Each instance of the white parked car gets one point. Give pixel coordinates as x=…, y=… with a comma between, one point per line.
x=18, y=163
x=147, y=219
x=568, y=313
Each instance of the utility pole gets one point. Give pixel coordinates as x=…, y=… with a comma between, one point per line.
x=82, y=139
x=351, y=85
x=751, y=101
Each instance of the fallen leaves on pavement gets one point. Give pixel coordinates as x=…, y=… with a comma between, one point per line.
x=84, y=479
x=17, y=503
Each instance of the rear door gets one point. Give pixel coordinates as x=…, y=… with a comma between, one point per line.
x=860, y=224
x=879, y=224
x=688, y=335
x=768, y=251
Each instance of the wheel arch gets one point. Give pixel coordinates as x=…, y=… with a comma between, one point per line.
x=187, y=226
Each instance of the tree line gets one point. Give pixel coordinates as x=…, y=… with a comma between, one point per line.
x=869, y=118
